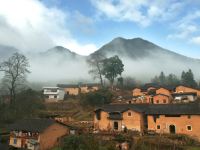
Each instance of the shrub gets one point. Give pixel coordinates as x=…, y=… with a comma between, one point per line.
x=97, y=98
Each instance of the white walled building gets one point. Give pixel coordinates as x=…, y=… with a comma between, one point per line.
x=53, y=93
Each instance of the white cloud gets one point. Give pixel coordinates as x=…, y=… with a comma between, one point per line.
x=195, y=40
x=183, y=31
x=142, y=12
x=30, y=25
x=187, y=28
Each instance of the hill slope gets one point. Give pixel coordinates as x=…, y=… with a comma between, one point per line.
x=135, y=48
x=144, y=59
x=58, y=64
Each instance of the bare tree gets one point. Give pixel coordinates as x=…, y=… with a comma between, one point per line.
x=95, y=62
x=15, y=70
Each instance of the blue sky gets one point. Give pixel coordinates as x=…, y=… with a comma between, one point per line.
x=85, y=25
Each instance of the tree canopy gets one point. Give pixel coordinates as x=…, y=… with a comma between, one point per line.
x=97, y=98
x=112, y=67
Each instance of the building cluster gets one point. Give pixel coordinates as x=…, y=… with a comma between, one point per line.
x=162, y=110
x=160, y=118
x=154, y=94
x=54, y=94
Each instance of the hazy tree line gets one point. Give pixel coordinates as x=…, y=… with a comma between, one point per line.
x=186, y=78
x=111, y=69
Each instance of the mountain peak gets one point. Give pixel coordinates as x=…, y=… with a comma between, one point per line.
x=61, y=51
x=135, y=48
x=118, y=39
x=133, y=39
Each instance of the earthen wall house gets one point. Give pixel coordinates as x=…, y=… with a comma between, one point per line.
x=161, y=118
x=161, y=99
x=35, y=134
x=184, y=89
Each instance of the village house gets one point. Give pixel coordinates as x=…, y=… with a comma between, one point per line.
x=53, y=94
x=161, y=99
x=185, y=97
x=70, y=89
x=129, y=100
x=175, y=119
x=163, y=91
x=36, y=134
x=118, y=116
x=76, y=89
x=152, y=95
x=168, y=118
x=185, y=89
x=137, y=92
x=89, y=87
x=144, y=90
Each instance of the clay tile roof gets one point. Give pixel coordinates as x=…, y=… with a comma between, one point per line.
x=32, y=125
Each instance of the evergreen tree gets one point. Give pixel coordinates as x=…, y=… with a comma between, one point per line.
x=187, y=78
x=162, y=78
x=172, y=80
x=183, y=77
x=155, y=80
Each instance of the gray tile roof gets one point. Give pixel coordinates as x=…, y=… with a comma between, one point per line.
x=68, y=85
x=77, y=85
x=184, y=94
x=162, y=109
x=31, y=125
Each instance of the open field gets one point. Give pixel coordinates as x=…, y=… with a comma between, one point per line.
x=70, y=108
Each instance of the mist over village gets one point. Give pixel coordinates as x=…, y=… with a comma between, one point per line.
x=99, y=75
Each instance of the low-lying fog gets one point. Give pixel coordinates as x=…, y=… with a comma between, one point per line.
x=53, y=69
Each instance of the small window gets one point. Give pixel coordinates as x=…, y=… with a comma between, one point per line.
x=189, y=128
x=189, y=116
x=158, y=127
x=157, y=101
x=129, y=114
x=55, y=96
x=15, y=141
x=164, y=101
